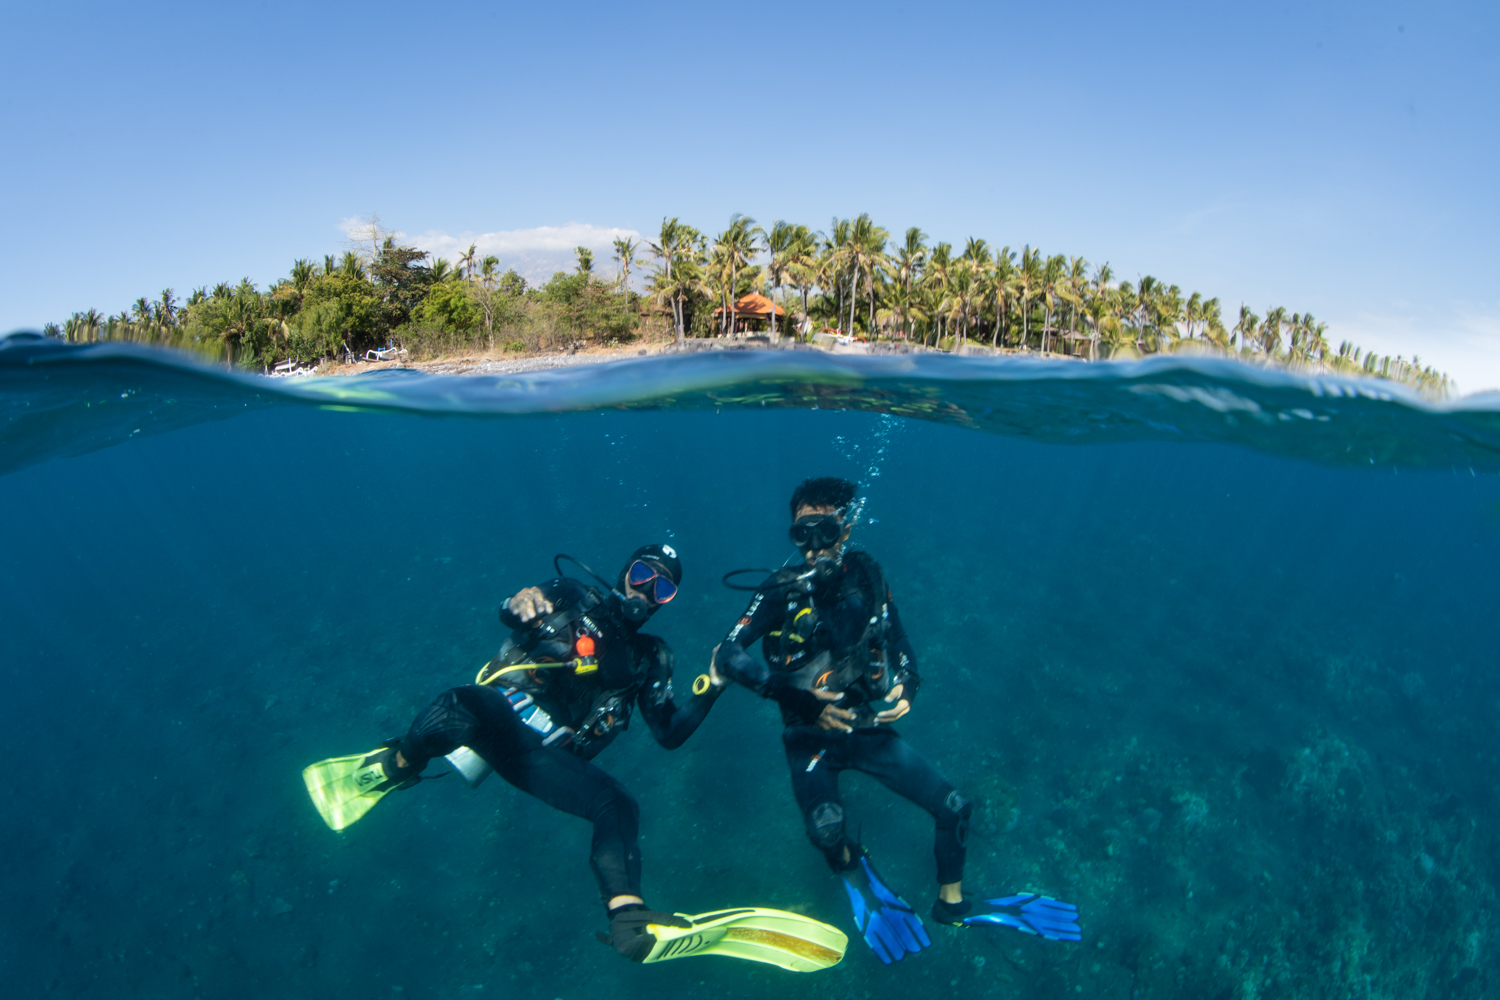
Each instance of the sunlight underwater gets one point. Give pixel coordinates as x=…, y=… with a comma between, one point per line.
x=1212, y=648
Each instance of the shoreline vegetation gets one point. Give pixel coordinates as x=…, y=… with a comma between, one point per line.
x=380, y=302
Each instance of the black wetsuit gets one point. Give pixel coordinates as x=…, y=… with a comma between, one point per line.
x=855, y=623
x=584, y=712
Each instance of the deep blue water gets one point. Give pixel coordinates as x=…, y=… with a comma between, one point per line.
x=1219, y=671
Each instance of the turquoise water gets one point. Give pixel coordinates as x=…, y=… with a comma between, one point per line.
x=1212, y=649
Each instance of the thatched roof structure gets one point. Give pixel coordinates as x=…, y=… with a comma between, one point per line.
x=753, y=306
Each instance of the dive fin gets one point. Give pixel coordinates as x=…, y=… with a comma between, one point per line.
x=786, y=940
x=345, y=788
x=1031, y=913
x=890, y=926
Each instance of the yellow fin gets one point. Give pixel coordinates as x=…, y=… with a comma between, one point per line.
x=775, y=937
x=344, y=788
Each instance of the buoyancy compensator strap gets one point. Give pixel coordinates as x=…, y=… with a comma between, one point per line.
x=560, y=620
x=863, y=665
x=555, y=629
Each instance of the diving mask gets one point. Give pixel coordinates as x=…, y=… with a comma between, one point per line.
x=641, y=573
x=816, y=532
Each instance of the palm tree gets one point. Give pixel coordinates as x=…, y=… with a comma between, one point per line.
x=964, y=284
x=1003, y=284
x=675, y=250
x=1074, y=290
x=866, y=255
x=937, y=281
x=83, y=327
x=1192, y=314
x=802, y=265
x=1213, y=325
x=625, y=251
x=1248, y=328
x=585, y=258
x=832, y=263
x=899, y=299
x=1054, y=274
x=1270, y=331
x=303, y=273
x=733, y=250
x=1317, y=337
x=1029, y=278
x=909, y=260
x=166, y=307
x=779, y=243
x=1169, y=313
x=1145, y=300
x=1098, y=312
x=466, y=261
x=976, y=261
x=489, y=276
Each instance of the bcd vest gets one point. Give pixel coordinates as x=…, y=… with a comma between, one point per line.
x=562, y=646
x=803, y=645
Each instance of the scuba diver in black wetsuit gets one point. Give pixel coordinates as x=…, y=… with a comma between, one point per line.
x=560, y=690
x=840, y=665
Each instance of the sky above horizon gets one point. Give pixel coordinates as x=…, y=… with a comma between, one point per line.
x=1337, y=158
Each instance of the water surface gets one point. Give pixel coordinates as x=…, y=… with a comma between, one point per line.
x=1212, y=648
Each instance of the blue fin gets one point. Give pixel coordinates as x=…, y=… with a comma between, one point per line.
x=890, y=926
x=1031, y=913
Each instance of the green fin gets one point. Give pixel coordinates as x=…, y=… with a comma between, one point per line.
x=787, y=940
x=345, y=788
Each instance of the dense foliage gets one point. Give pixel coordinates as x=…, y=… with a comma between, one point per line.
x=853, y=281
x=390, y=299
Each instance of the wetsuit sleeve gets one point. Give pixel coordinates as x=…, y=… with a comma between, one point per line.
x=735, y=663
x=556, y=591
x=670, y=723
x=902, y=656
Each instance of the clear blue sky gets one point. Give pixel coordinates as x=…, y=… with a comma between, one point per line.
x=1333, y=157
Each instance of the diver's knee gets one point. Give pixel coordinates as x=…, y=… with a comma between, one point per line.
x=628, y=805
x=446, y=718
x=616, y=800
x=826, y=825
x=955, y=812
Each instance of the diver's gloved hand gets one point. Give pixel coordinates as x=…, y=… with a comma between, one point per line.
x=628, y=932
x=731, y=660
x=1028, y=912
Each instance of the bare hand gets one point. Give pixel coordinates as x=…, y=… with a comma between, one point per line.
x=892, y=714
x=833, y=718
x=529, y=604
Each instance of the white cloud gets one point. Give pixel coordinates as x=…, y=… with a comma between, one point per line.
x=535, y=253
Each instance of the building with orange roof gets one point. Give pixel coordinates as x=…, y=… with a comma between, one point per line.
x=753, y=312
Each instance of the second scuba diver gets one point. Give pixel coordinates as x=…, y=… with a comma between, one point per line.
x=840, y=665
x=560, y=690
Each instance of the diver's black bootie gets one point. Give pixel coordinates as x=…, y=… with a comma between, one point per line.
x=345, y=788
x=400, y=777
x=628, y=930
x=952, y=914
